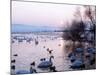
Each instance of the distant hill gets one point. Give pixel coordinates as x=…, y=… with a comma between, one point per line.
x=30, y=28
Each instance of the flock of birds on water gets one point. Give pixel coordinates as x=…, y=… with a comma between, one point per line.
x=78, y=58
x=75, y=57
x=44, y=64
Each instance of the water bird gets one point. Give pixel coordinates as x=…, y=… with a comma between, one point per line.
x=79, y=50
x=36, y=42
x=43, y=46
x=78, y=64
x=46, y=64
x=92, y=61
x=13, y=41
x=32, y=70
x=19, y=40
x=13, y=67
x=33, y=63
x=23, y=72
x=72, y=58
x=43, y=59
x=71, y=54
x=13, y=61
x=50, y=51
x=59, y=44
x=53, y=69
x=15, y=55
x=29, y=40
x=91, y=50
x=87, y=55
x=47, y=49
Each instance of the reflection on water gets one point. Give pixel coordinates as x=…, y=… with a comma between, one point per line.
x=27, y=48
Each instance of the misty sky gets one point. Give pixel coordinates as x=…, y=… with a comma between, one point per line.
x=30, y=13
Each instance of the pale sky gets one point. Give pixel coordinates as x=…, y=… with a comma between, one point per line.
x=30, y=13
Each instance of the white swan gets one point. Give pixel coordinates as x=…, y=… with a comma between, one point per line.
x=46, y=64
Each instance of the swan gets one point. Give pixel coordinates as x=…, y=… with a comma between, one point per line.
x=53, y=69
x=46, y=64
x=78, y=50
x=91, y=50
x=72, y=58
x=71, y=54
x=32, y=68
x=78, y=64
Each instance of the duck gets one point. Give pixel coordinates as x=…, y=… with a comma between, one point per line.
x=33, y=63
x=13, y=61
x=13, y=67
x=46, y=64
x=50, y=51
x=15, y=55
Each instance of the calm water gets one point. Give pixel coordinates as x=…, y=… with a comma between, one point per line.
x=29, y=52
